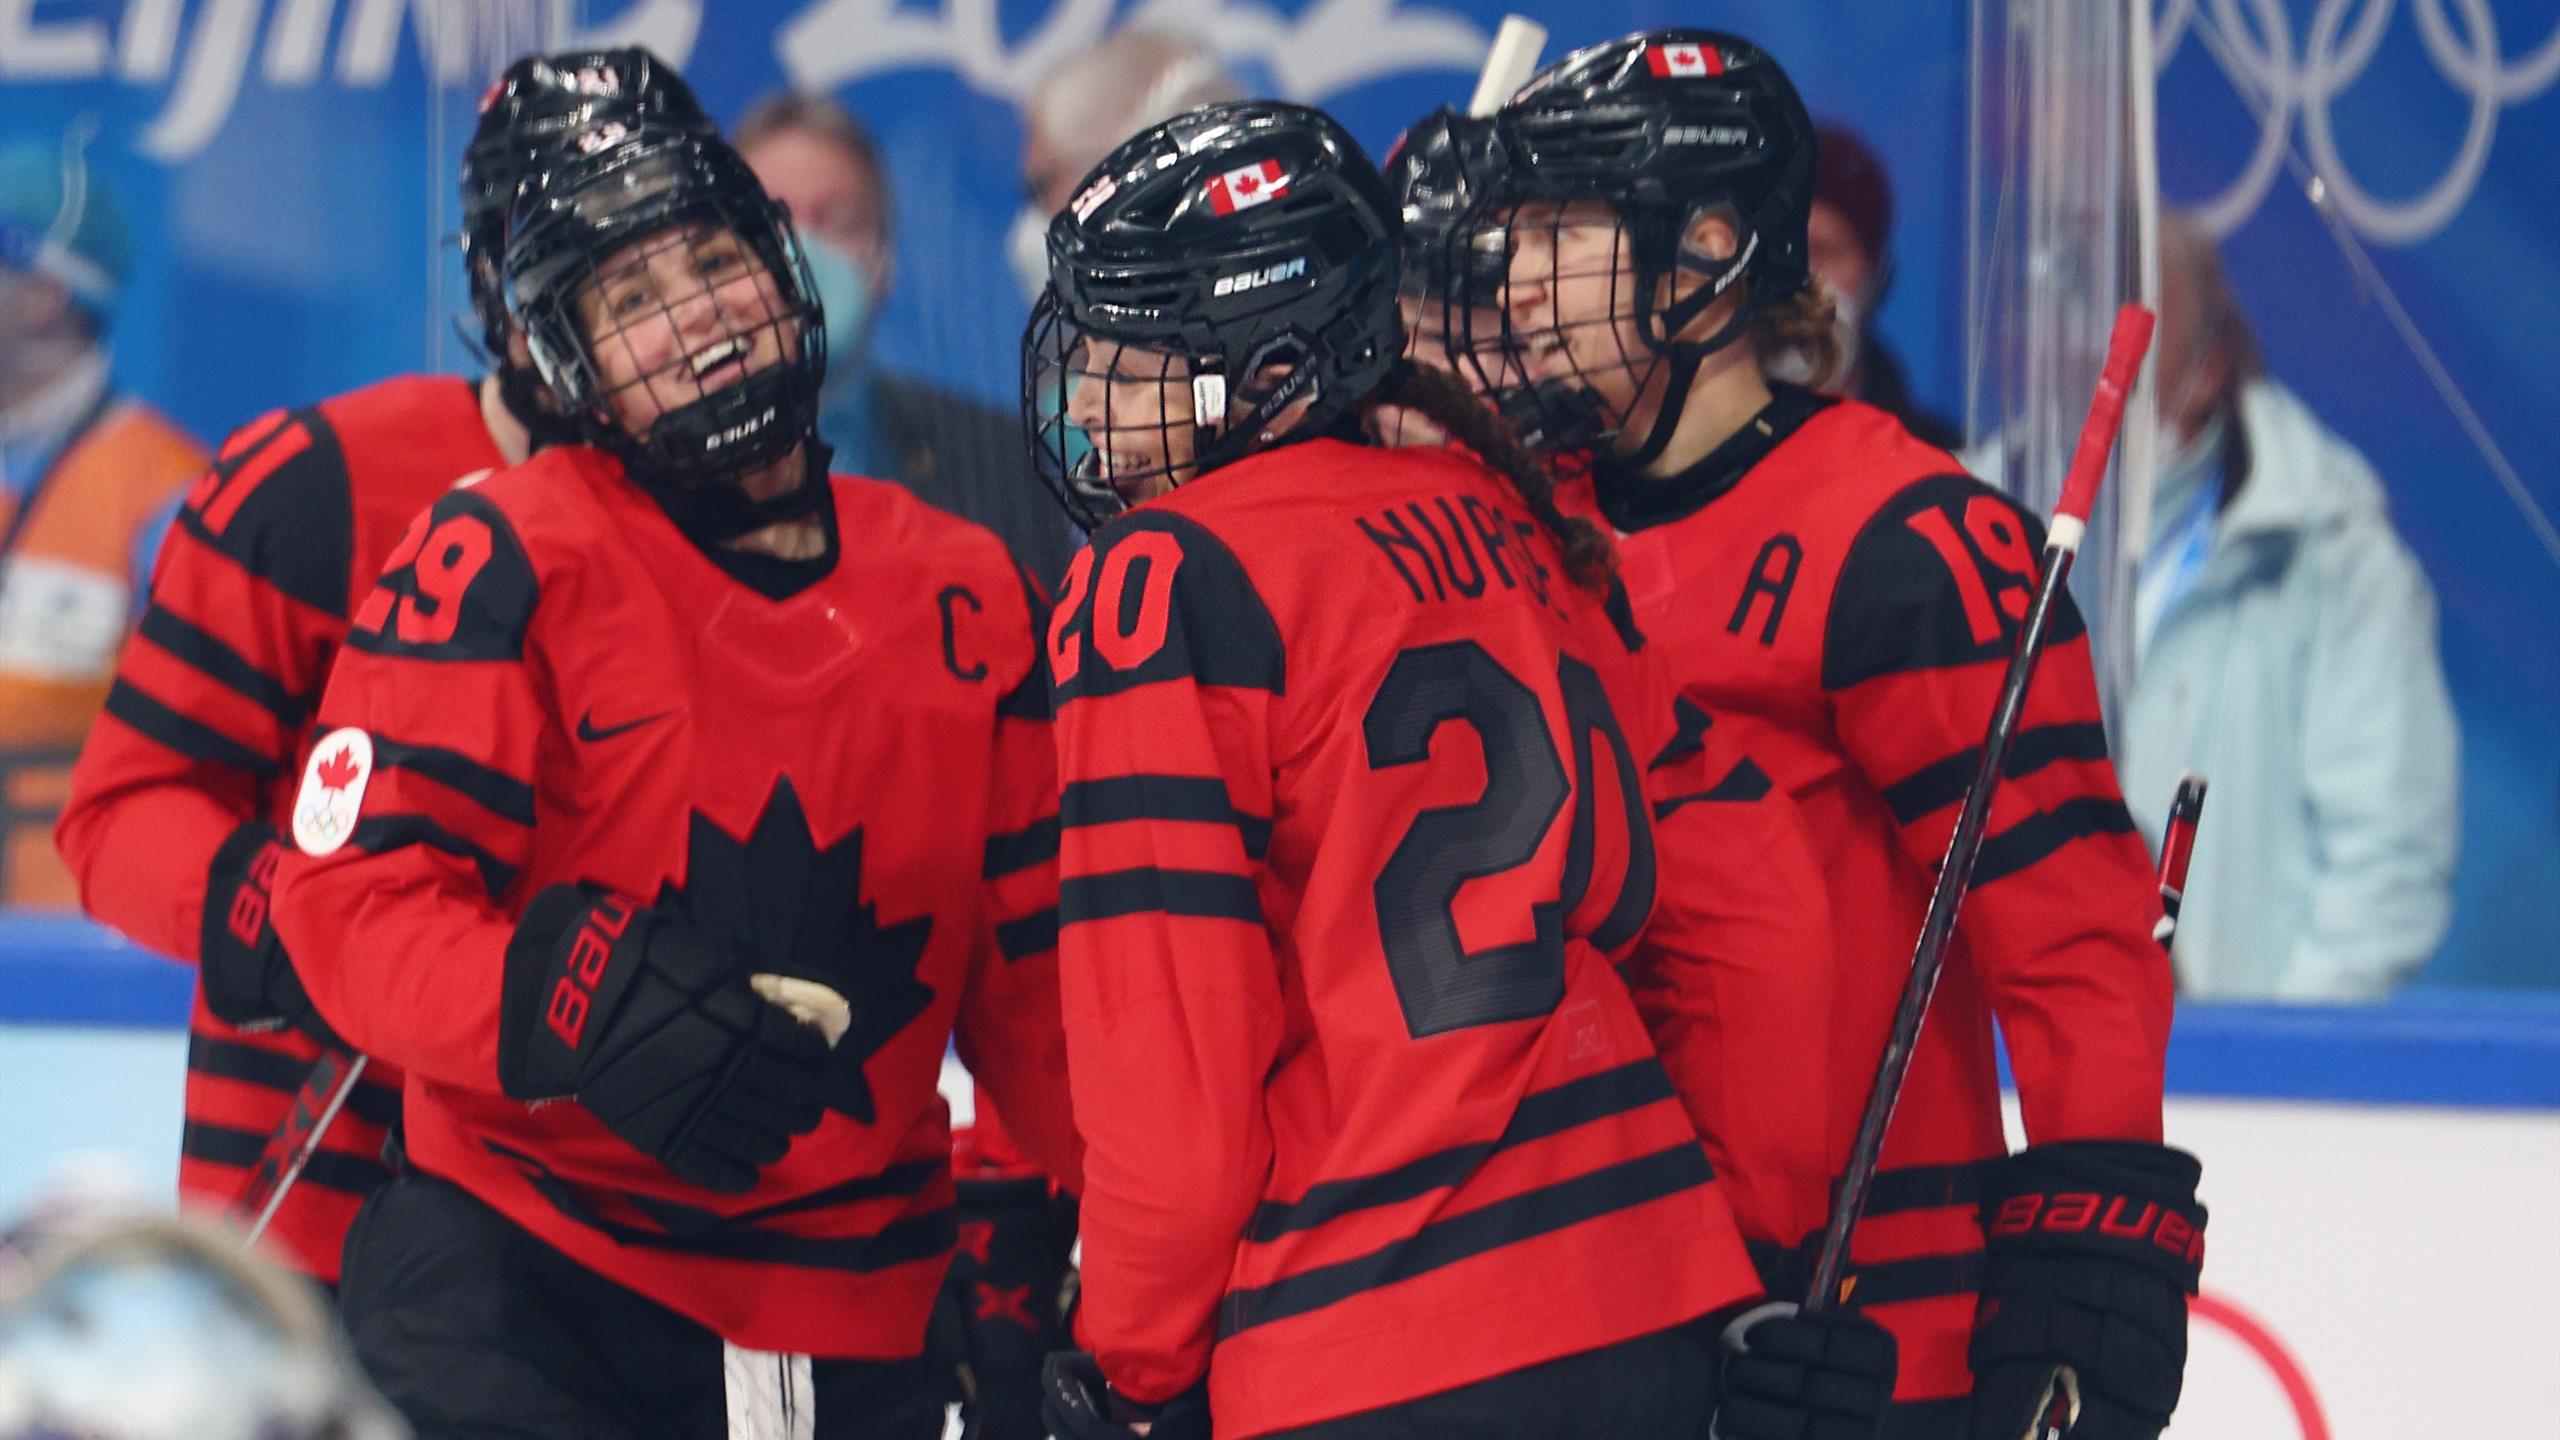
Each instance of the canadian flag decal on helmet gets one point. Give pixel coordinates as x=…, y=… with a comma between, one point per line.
x=1681, y=61
x=1247, y=186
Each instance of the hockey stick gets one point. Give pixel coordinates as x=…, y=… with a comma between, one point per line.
x=323, y=1094
x=2125, y=350
x=2060, y=1407
x=2177, y=848
x=1508, y=65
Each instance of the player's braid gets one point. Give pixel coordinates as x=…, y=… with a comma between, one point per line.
x=1445, y=399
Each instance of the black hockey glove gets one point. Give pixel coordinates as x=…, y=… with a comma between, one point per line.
x=2094, y=1247
x=248, y=979
x=1789, y=1375
x=1076, y=1403
x=1004, y=1294
x=653, y=1026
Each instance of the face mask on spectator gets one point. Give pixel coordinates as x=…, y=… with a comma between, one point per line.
x=844, y=291
x=1026, y=250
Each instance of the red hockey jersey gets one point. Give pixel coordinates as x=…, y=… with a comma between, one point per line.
x=1351, y=835
x=1843, y=599
x=855, y=783
x=208, y=718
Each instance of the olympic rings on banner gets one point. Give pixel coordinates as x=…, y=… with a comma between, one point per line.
x=2261, y=60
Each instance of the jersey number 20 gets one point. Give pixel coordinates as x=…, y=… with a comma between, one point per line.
x=1432, y=871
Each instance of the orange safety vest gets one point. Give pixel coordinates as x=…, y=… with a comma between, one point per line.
x=66, y=599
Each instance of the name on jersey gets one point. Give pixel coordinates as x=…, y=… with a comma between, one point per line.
x=1239, y=283
x=1457, y=547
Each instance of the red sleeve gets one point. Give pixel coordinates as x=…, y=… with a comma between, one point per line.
x=2058, y=922
x=1009, y=1033
x=247, y=606
x=1737, y=954
x=1172, y=998
x=399, y=931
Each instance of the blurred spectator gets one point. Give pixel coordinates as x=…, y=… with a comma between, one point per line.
x=164, y=1329
x=87, y=481
x=1850, y=249
x=967, y=458
x=2287, y=645
x=1087, y=103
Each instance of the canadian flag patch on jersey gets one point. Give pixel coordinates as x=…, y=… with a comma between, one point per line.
x=333, y=781
x=1247, y=186
x=1683, y=60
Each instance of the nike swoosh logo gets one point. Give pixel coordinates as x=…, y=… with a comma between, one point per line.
x=589, y=731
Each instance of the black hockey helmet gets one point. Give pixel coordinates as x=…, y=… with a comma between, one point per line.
x=1662, y=126
x=1436, y=171
x=1248, y=251
x=615, y=197
x=539, y=102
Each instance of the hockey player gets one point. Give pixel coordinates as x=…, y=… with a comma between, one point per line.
x=1845, y=597
x=631, y=746
x=172, y=824
x=1351, y=835
x=1773, y=939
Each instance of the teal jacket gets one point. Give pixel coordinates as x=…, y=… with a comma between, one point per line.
x=2299, y=675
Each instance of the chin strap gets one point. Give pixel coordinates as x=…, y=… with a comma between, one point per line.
x=710, y=512
x=520, y=390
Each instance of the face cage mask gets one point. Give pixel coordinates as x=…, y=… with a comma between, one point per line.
x=733, y=363
x=1545, y=369
x=1112, y=424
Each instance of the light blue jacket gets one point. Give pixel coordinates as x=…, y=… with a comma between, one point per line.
x=2299, y=675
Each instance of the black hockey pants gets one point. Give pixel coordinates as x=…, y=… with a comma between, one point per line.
x=475, y=1330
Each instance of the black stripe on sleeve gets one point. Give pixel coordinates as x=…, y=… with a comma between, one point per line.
x=2046, y=831
x=1028, y=935
x=328, y=1169
x=206, y=654
x=1018, y=850
x=1941, y=783
x=1923, y=1277
x=1926, y=1187
x=1446, y=1242
x=377, y=834
x=231, y=1060
x=1544, y=1113
x=1204, y=893
x=371, y=1102
x=496, y=791
x=1743, y=783
x=190, y=738
x=1181, y=798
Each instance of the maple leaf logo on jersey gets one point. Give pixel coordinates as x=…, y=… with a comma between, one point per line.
x=331, y=796
x=798, y=910
x=336, y=772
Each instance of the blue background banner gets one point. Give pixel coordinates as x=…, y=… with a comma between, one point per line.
x=289, y=168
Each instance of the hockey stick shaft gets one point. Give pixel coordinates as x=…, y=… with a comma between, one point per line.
x=1509, y=64
x=2177, y=849
x=2132, y=337
x=323, y=1094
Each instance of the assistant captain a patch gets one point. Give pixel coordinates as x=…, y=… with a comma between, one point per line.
x=333, y=781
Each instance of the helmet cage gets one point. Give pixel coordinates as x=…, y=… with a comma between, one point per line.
x=614, y=216
x=1176, y=336
x=1661, y=154
x=525, y=120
